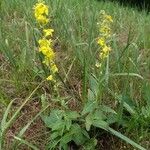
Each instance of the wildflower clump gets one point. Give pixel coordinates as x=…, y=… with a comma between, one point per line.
x=104, y=36
x=46, y=43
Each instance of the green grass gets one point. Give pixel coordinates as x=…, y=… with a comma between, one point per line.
x=75, y=24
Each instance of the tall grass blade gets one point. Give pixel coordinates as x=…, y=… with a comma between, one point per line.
x=121, y=136
x=26, y=143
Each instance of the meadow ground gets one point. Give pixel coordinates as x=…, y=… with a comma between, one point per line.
x=122, y=87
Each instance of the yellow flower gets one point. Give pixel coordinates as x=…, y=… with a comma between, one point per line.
x=48, y=52
x=40, y=9
x=50, y=78
x=105, y=33
x=42, y=19
x=41, y=12
x=105, y=30
x=109, y=18
x=106, y=49
x=48, y=32
x=54, y=68
x=44, y=42
x=105, y=52
x=98, y=65
x=101, y=41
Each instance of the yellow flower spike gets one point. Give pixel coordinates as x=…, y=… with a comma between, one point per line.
x=48, y=32
x=46, y=43
x=105, y=34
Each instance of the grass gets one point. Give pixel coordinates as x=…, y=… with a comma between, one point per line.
x=75, y=24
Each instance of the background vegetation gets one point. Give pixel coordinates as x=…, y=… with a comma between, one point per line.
x=24, y=95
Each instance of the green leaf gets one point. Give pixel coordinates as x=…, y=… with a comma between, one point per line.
x=85, y=133
x=55, y=116
x=4, y=100
x=94, y=85
x=4, y=119
x=72, y=115
x=79, y=135
x=98, y=115
x=107, y=109
x=26, y=143
x=121, y=136
x=51, y=145
x=128, y=107
x=88, y=122
x=44, y=100
x=100, y=124
x=127, y=74
x=58, y=125
x=65, y=147
x=112, y=118
x=89, y=107
x=90, y=144
x=68, y=123
x=91, y=96
x=79, y=138
x=146, y=93
x=66, y=138
x=75, y=128
x=54, y=135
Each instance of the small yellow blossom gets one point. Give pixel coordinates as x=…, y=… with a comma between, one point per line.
x=101, y=41
x=40, y=8
x=106, y=49
x=109, y=18
x=48, y=52
x=42, y=19
x=105, y=30
x=50, y=78
x=48, y=32
x=54, y=68
x=44, y=42
x=98, y=64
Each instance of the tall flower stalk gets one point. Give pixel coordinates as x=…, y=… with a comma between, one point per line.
x=41, y=12
x=104, y=36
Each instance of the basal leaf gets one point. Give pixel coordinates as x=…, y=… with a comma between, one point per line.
x=89, y=107
x=100, y=124
x=55, y=115
x=88, y=122
x=72, y=114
